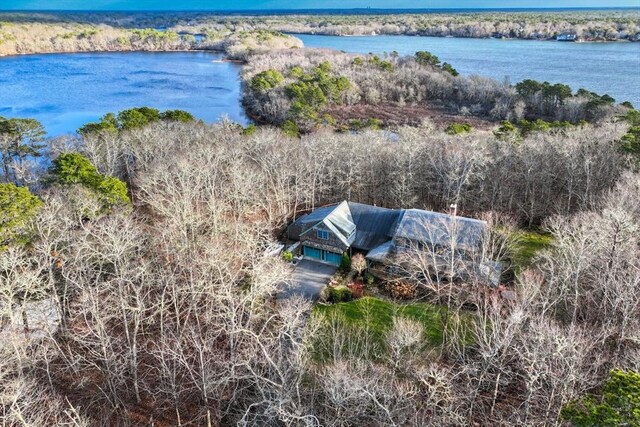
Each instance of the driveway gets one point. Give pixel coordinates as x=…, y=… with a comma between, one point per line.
x=308, y=279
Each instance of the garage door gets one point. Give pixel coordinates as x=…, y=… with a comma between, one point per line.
x=313, y=253
x=322, y=255
x=333, y=258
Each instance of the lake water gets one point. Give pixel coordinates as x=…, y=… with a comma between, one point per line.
x=612, y=68
x=65, y=91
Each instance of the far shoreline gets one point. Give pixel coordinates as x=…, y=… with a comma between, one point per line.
x=71, y=52
x=459, y=37
x=294, y=34
x=228, y=59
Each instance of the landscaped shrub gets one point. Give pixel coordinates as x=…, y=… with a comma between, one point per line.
x=357, y=289
x=370, y=279
x=287, y=256
x=374, y=124
x=401, y=290
x=341, y=293
x=345, y=263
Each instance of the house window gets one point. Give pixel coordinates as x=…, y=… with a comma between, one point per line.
x=322, y=234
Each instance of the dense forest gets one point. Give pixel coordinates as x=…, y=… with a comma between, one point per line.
x=588, y=25
x=137, y=287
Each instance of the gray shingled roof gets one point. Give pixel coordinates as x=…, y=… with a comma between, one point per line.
x=307, y=221
x=374, y=225
x=341, y=218
x=439, y=229
x=315, y=216
x=380, y=253
x=336, y=218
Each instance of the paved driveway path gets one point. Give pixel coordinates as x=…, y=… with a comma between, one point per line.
x=308, y=280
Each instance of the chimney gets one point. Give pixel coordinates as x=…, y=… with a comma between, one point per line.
x=453, y=209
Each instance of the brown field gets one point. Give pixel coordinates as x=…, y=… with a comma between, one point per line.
x=395, y=114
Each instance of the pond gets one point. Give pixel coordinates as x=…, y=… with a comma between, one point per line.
x=65, y=91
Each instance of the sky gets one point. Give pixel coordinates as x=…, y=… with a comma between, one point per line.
x=298, y=4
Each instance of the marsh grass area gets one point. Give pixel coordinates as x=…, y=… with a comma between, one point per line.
x=393, y=113
x=360, y=327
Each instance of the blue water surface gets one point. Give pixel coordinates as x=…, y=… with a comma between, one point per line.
x=65, y=91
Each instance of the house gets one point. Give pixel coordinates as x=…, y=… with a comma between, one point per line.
x=384, y=235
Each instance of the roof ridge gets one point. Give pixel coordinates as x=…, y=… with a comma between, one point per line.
x=374, y=206
x=465, y=218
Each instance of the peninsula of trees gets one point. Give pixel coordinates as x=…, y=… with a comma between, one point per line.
x=30, y=38
x=309, y=88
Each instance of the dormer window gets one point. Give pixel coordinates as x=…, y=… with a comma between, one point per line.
x=323, y=234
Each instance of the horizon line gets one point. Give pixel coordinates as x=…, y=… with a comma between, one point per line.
x=632, y=7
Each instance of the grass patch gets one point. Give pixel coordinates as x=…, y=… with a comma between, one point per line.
x=527, y=244
x=364, y=323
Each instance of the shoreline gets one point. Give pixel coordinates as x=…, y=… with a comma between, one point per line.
x=223, y=60
x=459, y=37
x=227, y=59
x=71, y=52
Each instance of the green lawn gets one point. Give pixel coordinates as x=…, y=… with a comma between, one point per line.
x=528, y=243
x=367, y=320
